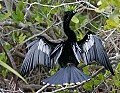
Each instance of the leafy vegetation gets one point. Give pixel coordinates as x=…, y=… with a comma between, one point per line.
x=22, y=21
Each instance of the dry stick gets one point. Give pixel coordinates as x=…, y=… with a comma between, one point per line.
x=116, y=57
x=113, y=43
x=63, y=4
x=9, y=23
x=100, y=83
x=10, y=58
x=110, y=34
x=40, y=90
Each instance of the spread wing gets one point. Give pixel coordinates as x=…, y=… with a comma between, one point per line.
x=40, y=54
x=91, y=48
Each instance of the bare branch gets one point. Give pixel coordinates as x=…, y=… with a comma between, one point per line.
x=63, y=4
x=10, y=58
x=40, y=90
x=17, y=25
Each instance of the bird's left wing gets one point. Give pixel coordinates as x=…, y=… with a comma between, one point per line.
x=90, y=49
x=40, y=54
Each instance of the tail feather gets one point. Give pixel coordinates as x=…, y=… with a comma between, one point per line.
x=67, y=75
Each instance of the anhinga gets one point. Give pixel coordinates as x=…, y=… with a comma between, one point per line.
x=68, y=54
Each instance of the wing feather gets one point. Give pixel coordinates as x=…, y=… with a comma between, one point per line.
x=93, y=50
x=40, y=54
x=77, y=51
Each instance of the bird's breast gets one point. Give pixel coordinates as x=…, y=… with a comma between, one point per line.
x=67, y=55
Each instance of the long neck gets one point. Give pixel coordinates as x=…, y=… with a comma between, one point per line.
x=71, y=35
x=66, y=26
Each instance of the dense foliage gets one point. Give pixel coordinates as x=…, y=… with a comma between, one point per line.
x=22, y=21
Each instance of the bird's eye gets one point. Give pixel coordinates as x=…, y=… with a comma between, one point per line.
x=74, y=11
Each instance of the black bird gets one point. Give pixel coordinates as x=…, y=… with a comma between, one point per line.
x=68, y=54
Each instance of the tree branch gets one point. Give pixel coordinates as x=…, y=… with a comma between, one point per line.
x=40, y=90
x=63, y=4
x=10, y=58
x=17, y=25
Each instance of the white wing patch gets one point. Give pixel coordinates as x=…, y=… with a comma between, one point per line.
x=40, y=54
x=77, y=51
x=89, y=43
x=43, y=47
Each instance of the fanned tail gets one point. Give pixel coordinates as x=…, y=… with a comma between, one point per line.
x=67, y=75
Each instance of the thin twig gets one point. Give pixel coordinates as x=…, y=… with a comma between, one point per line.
x=10, y=58
x=40, y=90
x=110, y=34
x=63, y=4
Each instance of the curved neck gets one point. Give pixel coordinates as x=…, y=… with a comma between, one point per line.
x=66, y=26
x=71, y=35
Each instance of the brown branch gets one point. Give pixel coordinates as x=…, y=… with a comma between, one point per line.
x=9, y=23
x=9, y=56
x=40, y=90
x=117, y=57
x=11, y=60
x=26, y=88
x=19, y=54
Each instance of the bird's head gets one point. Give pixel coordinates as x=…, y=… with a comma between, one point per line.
x=69, y=14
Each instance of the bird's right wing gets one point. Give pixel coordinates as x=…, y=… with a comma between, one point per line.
x=40, y=53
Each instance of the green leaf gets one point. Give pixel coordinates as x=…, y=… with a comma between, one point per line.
x=40, y=20
x=104, y=4
x=115, y=16
x=80, y=35
x=17, y=16
x=3, y=57
x=7, y=46
x=20, y=5
x=117, y=3
x=117, y=83
x=75, y=19
x=12, y=70
x=118, y=66
x=100, y=76
x=85, y=21
x=4, y=72
x=28, y=24
x=117, y=76
x=96, y=82
x=22, y=38
x=107, y=72
x=4, y=16
x=0, y=6
x=52, y=72
x=88, y=86
x=54, y=11
x=86, y=70
x=49, y=23
x=110, y=24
